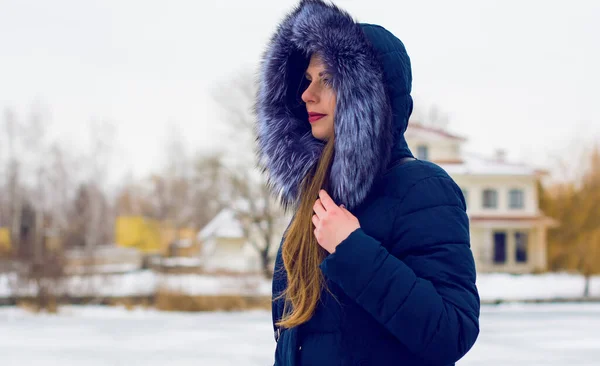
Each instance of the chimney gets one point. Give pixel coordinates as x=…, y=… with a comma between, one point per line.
x=500, y=155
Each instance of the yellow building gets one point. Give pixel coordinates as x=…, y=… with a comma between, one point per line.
x=148, y=235
x=52, y=241
x=4, y=240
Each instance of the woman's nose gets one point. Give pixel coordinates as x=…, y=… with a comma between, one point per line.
x=310, y=95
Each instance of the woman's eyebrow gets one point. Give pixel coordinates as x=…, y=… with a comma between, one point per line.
x=321, y=74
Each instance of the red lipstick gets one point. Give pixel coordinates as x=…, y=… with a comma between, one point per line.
x=313, y=116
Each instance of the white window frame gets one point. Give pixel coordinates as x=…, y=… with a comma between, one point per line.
x=520, y=202
x=483, y=200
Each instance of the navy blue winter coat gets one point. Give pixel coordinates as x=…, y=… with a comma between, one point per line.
x=405, y=281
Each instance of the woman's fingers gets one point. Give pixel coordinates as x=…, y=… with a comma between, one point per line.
x=315, y=220
x=327, y=201
x=319, y=209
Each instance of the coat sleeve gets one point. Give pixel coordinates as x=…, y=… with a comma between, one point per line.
x=428, y=299
x=277, y=286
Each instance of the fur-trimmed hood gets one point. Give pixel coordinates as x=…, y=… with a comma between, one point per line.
x=372, y=79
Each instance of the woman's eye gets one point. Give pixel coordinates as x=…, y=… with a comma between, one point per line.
x=305, y=83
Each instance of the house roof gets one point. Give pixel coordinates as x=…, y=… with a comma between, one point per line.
x=432, y=132
x=224, y=225
x=473, y=164
x=465, y=163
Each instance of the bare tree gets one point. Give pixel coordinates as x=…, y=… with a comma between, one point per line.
x=210, y=194
x=41, y=181
x=169, y=195
x=13, y=184
x=29, y=201
x=261, y=217
x=172, y=189
x=60, y=189
x=35, y=139
x=133, y=200
x=99, y=163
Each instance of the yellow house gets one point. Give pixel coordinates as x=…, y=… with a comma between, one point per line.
x=138, y=232
x=52, y=241
x=4, y=240
x=148, y=235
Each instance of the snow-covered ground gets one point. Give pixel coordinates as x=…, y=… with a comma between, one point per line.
x=492, y=286
x=528, y=335
x=550, y=334
x=147, y=282
x=547, y=286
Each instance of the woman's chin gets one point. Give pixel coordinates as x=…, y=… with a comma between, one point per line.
x=319, y=135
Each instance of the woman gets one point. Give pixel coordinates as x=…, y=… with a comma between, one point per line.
x=375, y=267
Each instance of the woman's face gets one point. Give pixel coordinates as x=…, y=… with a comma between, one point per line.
x=320, y=99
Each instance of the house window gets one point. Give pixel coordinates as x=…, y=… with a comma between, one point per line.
x=521, y=247
x=490, y=198
x=516, y=198
x=499, y=247
x=422, y=152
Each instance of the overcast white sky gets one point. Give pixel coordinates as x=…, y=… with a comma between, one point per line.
x=519, y=75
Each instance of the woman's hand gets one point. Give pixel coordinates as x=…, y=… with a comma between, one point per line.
x=333, y=223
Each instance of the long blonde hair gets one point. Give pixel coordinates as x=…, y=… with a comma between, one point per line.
x=301, y=252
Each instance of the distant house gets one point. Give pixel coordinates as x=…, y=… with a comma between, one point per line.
x=103, y=259
x=225, y=248
x=508, y=230
x=182, y=257
x=139, y=232
x=184, y=248
x=4, y=240
x=153, y=237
